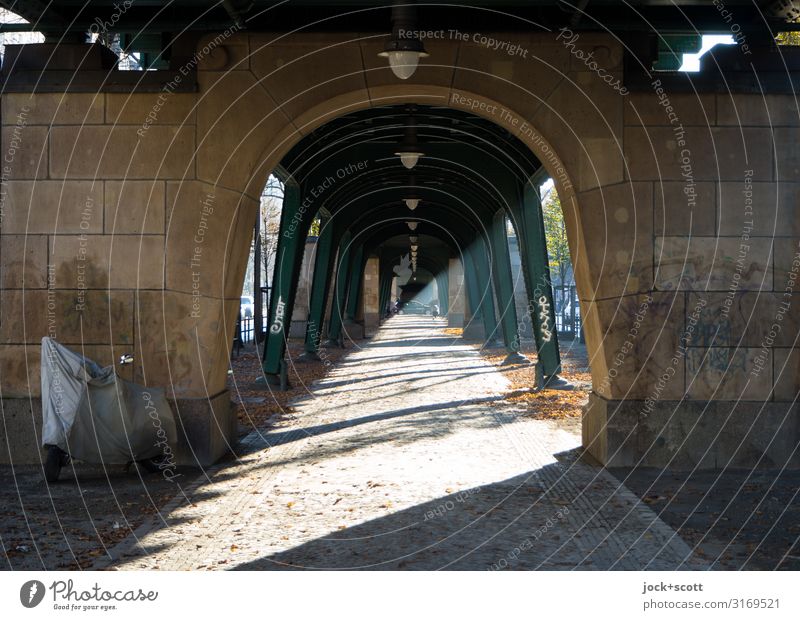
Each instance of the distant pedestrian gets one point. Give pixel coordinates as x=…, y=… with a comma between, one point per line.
x=435, y=310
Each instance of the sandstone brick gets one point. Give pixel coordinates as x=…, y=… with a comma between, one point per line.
x=190, y=343
x=206, y=225
x=117, y=153
x=24, y=152
x=679, y=213
x=118, y=261
x=645, y=108
x=234, y=135
x=20, y=367
x=25, y=316
x=229, y=52
x=626, y=364
x=135, y=207
x=587, y=138
x=786, y=254
x=152, y=108
x=606, y=52
x=293, y=73
x=788, y=154
x=618, y=228
x=787, y=374
x=742, y=319
x=533, y=80
x=24, y=261
x=709, y=263
x=54, y=207
x=724, y=373
x=757, y=110
x=718, y=153
x=72, y=317
x=773, y=211
x=53, y=108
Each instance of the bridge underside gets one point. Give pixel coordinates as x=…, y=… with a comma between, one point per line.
x=129, y=201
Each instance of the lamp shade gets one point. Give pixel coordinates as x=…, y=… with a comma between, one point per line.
x=404, y=63
x=403, y=51
x=409, y=158
x=408, y=150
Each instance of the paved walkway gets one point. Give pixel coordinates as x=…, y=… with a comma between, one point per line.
x=404, y=457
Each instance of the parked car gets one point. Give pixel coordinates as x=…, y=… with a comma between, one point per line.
x=246, y=307
x=413, y=307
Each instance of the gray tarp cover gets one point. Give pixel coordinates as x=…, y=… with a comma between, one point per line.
x=96, y=416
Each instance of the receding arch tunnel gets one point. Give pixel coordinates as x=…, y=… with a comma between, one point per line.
x=472, y=177
x=321, y=107
x=134, y=161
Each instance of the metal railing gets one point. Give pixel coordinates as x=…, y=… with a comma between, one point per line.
x=245, y=328
x=568, y=311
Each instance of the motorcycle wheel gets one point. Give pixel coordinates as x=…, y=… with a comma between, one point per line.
x=52, y=465
x=152, y=465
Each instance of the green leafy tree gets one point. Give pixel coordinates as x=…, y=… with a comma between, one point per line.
x=788, y=38
x=555, y=232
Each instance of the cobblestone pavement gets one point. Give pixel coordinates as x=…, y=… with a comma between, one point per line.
x=404, y=457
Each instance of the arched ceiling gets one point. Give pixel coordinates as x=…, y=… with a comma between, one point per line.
x=469, y=168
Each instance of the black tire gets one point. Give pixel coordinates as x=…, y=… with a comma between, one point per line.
x=52, y=465
x=149, y=465
x=153, y=465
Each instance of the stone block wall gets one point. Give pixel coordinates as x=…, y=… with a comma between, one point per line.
x=371, y=296
x=457, y=300
x=698, y=299
x=137, y=208
x=110, y=244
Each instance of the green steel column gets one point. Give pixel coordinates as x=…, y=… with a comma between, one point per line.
x=504, y=285
x=536, y=271
x=479, y=256
x=471, y=284
x=443, y=284
x=339, y=292
x=323, y=271
x=288, y=260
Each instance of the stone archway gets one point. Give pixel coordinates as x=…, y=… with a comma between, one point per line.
x=260, y=141
x=197, y=161
x=240, y=123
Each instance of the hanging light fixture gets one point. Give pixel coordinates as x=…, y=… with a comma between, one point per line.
x=412, y=226
x=408, y=150
x=413, y=238
x=412, y=197
x=403, y=52
x=414, y=247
